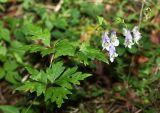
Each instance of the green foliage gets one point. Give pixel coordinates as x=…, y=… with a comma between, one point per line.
x=100, y=20
x=38, y=45
x=33, y=87
x=9, y=72
x=54, y=75
x=37, y=32
x=63, y=48
x=57, y=94
x=3, y=50
x=9, y=109
x=4, y=34
x=88, y=52
x=3, y=1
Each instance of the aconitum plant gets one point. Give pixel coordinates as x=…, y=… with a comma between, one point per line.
x=111, y=43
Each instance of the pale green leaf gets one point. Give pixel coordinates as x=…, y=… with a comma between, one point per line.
x=3, y=1
x=9, y=109
x=100, y=20
x=3, y=50
x=4, y=34
x=45, y=36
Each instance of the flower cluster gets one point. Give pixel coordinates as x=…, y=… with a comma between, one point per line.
x=129, y=41
x=111, y=43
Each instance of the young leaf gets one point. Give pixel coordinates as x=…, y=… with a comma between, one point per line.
x=45, y=36
x=100, y=20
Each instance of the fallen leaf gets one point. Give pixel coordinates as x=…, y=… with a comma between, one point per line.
x=84, y=37
x=143, y=59
x=155, y=36
x=108, y=7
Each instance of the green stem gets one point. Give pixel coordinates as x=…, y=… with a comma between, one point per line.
x=141, y=12
x=131, y=65
x=30, y=105
x=51, y=59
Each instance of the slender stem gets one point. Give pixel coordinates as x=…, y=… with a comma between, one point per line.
x=131, y=65
x=51, y=59
x=30, y=105
x=141, y=12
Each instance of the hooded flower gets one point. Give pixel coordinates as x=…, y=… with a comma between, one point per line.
x=128, y=38
x=136, y=34
x=114, y=39
x=112, y=53
x=106, y=41
x=109, y=44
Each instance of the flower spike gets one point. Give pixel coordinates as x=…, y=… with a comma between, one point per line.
x=136, y=34
x=128, y=38
x=106, y=41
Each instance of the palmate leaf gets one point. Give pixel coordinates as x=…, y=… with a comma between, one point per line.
x=62, y=78
x=59, y=80
x=71, y=76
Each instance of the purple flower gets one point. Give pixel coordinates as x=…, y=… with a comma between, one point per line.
x=112, y=53
x=114, y=39
x=109, y=44
x=136, y=34
x=128, y=38
x=106, y=41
